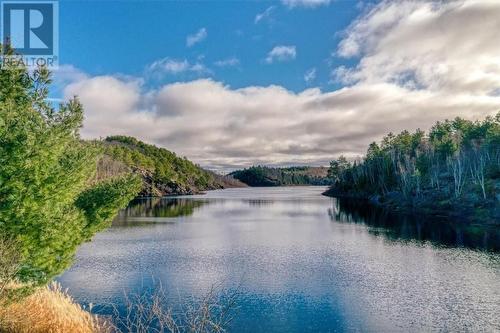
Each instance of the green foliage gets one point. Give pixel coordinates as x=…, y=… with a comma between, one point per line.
x=99, y=202
x=266, y=176
x=44, y=170
x=338, y=166
x=458, y=158
x=165, y=166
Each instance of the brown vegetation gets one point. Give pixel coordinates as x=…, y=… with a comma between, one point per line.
x=49, y=310
x=52, y=310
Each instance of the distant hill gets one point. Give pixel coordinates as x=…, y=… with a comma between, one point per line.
x=162, y=171
x=267, y=176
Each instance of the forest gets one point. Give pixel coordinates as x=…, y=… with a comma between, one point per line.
x=162, y=171
x=268, y=176
x=453, y=170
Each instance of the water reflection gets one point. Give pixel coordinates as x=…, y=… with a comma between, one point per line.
x=295, y=267
x=380, y=221
x=154, y=210
x=399, y=227
x=259, y=202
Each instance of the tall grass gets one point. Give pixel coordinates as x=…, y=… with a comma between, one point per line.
x=49, y=310
x=52, y=310
x=150, y=313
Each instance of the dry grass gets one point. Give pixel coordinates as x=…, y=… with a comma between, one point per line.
x=52, y=310
x=41, y=310
x=49, y=310
x=149, y=313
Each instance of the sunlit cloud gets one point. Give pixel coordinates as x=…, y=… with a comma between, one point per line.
x=175, y=66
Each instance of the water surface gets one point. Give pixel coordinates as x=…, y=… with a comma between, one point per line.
x=299, y=262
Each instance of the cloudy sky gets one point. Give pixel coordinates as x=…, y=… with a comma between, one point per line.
x=229, y=84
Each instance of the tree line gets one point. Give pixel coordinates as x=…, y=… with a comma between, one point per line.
x=457, y=161
x=268, y=176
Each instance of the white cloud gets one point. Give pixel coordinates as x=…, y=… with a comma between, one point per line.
x=264, y=15
x=197, y=37
x=175, y=66
x=419, y=62
x=221, y=127
x=281, y=53
x=198, y=67
x=68, y=73
x=310, y=75
x=229, y=62
x=168, y=65
x=305, y=3
x=443, y=47
x=62, y=76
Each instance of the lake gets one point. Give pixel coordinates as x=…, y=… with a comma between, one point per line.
x=297, y=261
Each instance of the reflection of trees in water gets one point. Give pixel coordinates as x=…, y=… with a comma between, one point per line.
x=160, y=207
x=412, y=227
x=260, y=202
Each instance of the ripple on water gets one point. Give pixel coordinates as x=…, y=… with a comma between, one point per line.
x=298, y=263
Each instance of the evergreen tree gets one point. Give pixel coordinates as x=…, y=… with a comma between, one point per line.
x=47, y=202
x=455, y=165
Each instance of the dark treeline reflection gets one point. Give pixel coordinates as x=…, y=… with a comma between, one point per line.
x=259, y=202
x=156, y=208
x=410, y=227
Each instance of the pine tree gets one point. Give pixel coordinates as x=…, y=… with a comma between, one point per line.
x=47, y=203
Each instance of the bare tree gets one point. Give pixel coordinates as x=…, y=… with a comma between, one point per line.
x=477, y=169
x=458, y=170
x=409, y=176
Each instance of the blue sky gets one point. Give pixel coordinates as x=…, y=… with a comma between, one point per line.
x=230, y=84
x=102, y=37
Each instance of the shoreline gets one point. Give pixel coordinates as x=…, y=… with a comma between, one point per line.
x=428, y=205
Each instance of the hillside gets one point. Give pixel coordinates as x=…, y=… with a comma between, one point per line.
x=267, y=176
x=162, y=171
x=454, y=170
